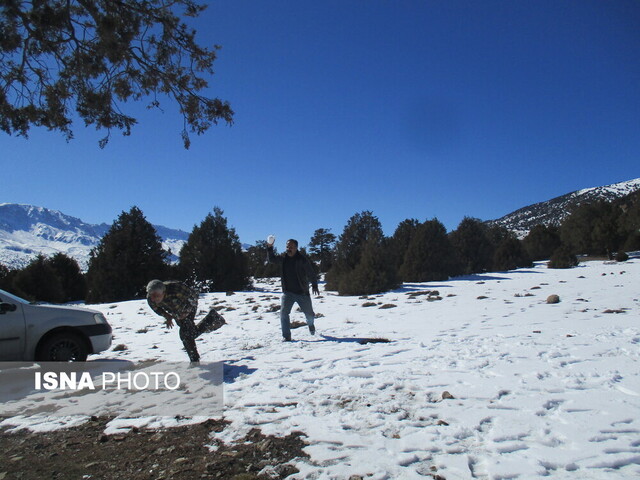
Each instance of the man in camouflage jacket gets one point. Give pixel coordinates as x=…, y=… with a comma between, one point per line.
x=175, y=301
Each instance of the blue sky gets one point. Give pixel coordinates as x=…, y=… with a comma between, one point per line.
x=410, y=109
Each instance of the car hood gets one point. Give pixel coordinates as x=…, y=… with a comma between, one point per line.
x=64, y=307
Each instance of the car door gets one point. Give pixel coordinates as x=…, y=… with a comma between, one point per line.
x=12, y=330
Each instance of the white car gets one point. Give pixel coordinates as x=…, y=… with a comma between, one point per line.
x=49, y=333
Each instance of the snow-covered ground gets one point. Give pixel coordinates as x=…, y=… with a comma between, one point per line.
x=537, y=389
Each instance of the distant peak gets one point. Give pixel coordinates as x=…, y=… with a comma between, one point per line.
x=553, y=212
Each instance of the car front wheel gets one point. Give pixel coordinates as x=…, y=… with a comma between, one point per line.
x=63, y=347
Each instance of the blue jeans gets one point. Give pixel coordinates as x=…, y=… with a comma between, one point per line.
x=288, y=299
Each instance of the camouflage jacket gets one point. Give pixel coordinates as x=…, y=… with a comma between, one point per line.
x=179, y=300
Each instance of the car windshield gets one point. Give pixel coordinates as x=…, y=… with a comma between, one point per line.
x=4, y=296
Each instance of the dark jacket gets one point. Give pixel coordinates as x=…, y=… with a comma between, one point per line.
x=305, y=272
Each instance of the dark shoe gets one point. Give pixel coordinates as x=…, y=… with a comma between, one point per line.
x=286, y=339
x=213, y=321
x=312, y=329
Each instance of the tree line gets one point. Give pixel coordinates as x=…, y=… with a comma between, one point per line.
x=361, y=261
x=129, y=256
x=366, y=262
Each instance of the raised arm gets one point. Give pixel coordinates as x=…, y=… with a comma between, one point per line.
x=272, y=257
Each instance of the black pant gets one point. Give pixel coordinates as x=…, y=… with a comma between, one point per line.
x=189, y=331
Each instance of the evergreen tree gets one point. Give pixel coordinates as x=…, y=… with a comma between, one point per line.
x=87, y=59
x=496, y=234
x=321, y=248
x=401, y=240
x=6, y=278
x=632, y=242
x=593, y=229
x=74, y=286
x=363, y=264
x=630, y=226
x=38, y=282
x=124, y=261
x=473, y=247
x=430, y=255
x=258, y=266
x=212, y=259
x=373, y=274
x=542, y=241
x=360, y=228
x=575, y=231
x=629, y=222
x=510, y=255
x=174, y=272
x=606, y=236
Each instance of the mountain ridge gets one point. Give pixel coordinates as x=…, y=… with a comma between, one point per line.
x=28, y=230
x=554, y=211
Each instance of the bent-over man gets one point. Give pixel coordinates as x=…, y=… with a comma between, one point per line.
x=175, y=301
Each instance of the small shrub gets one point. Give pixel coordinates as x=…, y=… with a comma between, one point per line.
x=622, y=257
x=563, y=258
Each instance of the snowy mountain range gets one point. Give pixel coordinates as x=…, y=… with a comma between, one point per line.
x=26, y=231
x=554, y=211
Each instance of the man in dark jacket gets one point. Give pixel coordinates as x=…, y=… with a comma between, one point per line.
x=297, y=273
x=175, y=301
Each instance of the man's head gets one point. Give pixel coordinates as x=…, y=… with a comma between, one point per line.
x=292, y=247
x=155, y=291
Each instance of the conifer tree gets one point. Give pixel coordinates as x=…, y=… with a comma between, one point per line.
x=401, y=239
x=38, y=282
x=630, y=222
x=6, y=277
x=542, y=241
x=72, y=281
x=353, y=272
x=89, y=59
x=430, y=255
x=593, y=229
x=496, y=234
x=373, y=274
x=473, y=246
x=632, y=242
x=127, y=257
x=510, y=255
x=321, y=248
x=360, y=228
x=212, y=259
x=258, y=266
